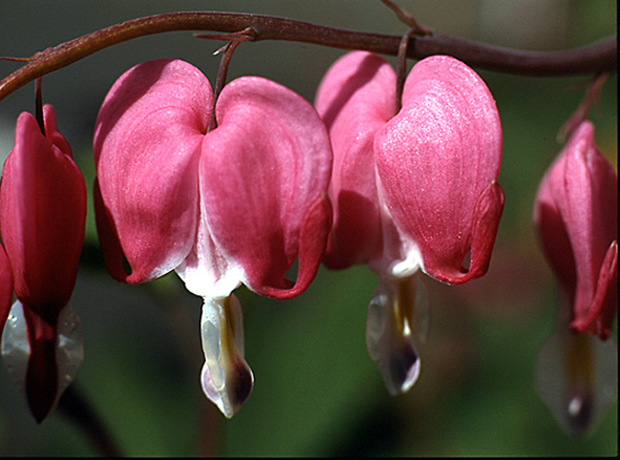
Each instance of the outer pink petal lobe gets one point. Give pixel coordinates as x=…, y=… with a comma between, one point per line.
x=147, y=148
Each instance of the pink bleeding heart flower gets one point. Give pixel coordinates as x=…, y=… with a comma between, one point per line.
x=236, y=204
x=576, y=216
x=42, y=223
x=412, y=190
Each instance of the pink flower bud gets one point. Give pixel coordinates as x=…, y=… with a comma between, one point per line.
x=576, y=214
x=42, y=223
x=43, y=214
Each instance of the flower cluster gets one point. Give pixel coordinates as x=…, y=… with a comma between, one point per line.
x=234, y=187
x=239, y=202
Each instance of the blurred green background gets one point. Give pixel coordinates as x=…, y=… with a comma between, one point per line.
x=317, y=392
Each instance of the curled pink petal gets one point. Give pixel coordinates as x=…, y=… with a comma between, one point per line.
x=147, y=144
x=42, y=215
x=600, y=318
x=262, y=168
x=487, y=214
x=312, y=241
x=356, y=98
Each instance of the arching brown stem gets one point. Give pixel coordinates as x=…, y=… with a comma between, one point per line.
x=595, y=58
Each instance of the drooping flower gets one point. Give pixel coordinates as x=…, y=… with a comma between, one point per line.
x=413, y=190
x=236, y=204
x=576, y=215
x=42, y=223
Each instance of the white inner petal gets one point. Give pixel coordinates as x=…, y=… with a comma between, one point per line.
x=396, y=328
x=16, y=347
x=410, y=265
x=205, y=271
x=226, y=378
x=577, y=378
x=15, y=344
